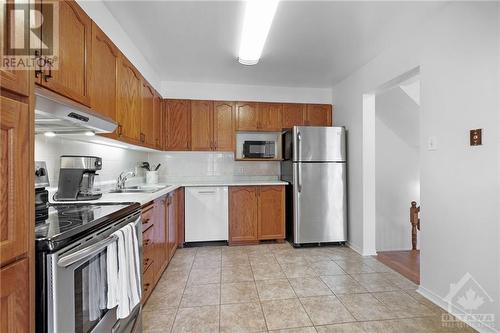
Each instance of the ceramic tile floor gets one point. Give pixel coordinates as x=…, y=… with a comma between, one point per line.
x=276, y=288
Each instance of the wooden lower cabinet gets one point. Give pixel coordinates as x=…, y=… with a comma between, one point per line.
x=160, y=223
x=271, y=212
x=256, y=213
x=14, y=297
x=243, y=214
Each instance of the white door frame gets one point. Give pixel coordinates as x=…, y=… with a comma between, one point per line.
x=368, y=151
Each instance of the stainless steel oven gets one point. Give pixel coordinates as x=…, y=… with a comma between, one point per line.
x=77, y=284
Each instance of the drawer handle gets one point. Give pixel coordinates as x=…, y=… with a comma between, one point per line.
x=206, y=192
x=146, y=221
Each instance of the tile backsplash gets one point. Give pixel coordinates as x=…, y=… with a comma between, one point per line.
x=174, y=164
x=114, y=159
x=209, y=164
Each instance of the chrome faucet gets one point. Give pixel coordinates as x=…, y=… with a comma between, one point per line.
x=122, y=178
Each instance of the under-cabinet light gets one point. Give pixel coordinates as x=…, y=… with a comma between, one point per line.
x=259, y=16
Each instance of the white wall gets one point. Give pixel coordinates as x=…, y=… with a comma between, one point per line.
x=100, y=14
x=397, y=168
x=458, y=51
x=238, y=92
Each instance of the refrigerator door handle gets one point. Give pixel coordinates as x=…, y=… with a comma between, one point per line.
x=299, y=167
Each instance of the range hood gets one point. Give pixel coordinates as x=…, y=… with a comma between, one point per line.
x=64, y=117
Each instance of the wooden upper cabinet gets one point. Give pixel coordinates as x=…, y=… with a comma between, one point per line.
x=14, y=183
x=271, y=212
x=129, y=101
x=71, y=77
x=14, y=298
x=269, y=116
x=318, y=115
x=223, y=126
x=147, y=135
x=243, y=214
x=105, y=58
x=178, y=124
x=202, y=125
x=157, y=121
x=253, y=116
x=247, y=116
x=16, y=81
x=293, y=115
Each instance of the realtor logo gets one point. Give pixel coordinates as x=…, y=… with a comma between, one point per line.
x=30, y=35
x=469, y=297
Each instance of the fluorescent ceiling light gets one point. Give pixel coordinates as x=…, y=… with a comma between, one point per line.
x=50, y=134
x=259, y=15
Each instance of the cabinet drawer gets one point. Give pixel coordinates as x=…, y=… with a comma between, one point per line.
x=148, y=282
x=148, y=239
x=147, y=217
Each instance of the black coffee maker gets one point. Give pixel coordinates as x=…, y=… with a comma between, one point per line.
x=76, y=178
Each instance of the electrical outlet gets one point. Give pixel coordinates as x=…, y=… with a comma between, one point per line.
x=476, y=137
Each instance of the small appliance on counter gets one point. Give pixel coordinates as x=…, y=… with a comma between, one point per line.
x=71, y=242
x=76, y=178
x=259, y=149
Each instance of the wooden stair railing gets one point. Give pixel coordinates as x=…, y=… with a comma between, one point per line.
x=415, y=223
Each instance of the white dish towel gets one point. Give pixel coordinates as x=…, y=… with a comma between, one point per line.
x=123, y=271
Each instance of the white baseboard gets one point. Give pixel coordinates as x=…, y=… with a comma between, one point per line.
x=361, y=251
x=439, y=301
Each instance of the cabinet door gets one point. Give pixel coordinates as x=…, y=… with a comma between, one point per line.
x=128, y=101
x=172, y=224
x=72, y=76
x=14, y=182
x=271, y=212
x=16, y=81
x=223, y=126
x=147, y=135
x=161, y=254
x=14, y=298
x=202, y=125
x=157, y=121
x=247, y=117
x=292, y=115
x=243, y=214
x=178, y=125
x=269, y=116
x=104, y=68
x=318, y=115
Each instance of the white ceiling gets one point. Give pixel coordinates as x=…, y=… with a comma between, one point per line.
x=311, y=43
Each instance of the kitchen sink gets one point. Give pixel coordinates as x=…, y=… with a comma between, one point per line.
x=139, y=189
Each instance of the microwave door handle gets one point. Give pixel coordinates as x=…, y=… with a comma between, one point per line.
x=90, y=251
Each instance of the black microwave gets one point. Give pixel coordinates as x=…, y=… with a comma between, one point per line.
x=259, y=149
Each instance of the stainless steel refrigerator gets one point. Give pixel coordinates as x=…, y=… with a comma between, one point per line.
x=315, y=166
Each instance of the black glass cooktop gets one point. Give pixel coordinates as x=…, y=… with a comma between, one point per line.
x=61, y=222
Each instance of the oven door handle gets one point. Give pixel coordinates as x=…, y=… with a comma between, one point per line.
x=70, y=259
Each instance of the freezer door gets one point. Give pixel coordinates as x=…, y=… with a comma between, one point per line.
x=320, y=207
x=318, y=144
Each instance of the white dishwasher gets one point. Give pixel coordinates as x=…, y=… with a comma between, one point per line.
x=206, y=214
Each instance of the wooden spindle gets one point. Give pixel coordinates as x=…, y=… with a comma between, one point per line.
x=415, y=223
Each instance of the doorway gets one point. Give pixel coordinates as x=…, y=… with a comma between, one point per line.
x=391, y=162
